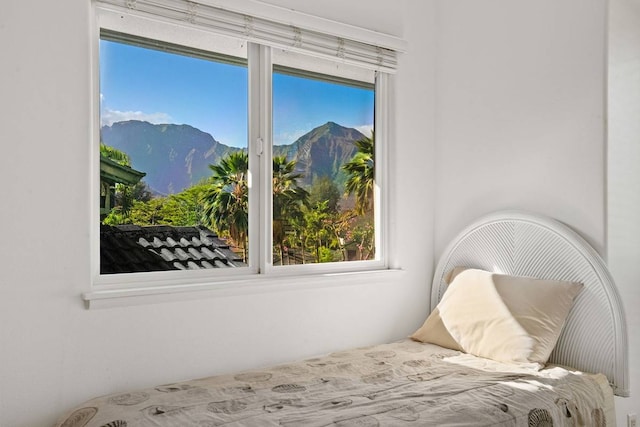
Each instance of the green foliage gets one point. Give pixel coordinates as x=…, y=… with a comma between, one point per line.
x=116, y=217
x=182, y=209
x=307, y=223
x=315, y=229
x=288, y=199
x=126, y=195
x=325, y=255
x=114, y=154
x=141, y=192
x=361, y=234
x=324, y=189
x=226, y=199
x=148, y=213
x=361, y=174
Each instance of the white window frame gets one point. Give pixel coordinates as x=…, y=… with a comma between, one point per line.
x=128, y=287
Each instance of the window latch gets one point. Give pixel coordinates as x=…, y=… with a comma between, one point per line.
x=259, y=146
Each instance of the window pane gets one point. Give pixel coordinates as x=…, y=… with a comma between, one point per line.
x=323, y=168
x=173, y=157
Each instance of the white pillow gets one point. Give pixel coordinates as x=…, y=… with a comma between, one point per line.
x=505, y=318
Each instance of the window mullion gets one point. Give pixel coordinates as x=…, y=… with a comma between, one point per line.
x=255, y=158
x=260, y=106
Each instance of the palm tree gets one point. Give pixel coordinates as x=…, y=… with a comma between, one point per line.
x=288, y=197
x=361, y=174
x=226, y=200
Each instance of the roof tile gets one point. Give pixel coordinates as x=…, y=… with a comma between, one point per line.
x=132, y=248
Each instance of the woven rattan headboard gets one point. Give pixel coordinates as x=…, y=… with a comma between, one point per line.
x=594, y=338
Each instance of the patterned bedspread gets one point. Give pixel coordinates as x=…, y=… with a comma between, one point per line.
x=403, y=383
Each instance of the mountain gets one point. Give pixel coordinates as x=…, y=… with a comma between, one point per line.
x=173, y=156
x=176, y=157
x=322, y=152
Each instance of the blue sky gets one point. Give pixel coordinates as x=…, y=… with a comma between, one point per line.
x=143, y=84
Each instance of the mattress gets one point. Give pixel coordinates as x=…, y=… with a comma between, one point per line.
x=396, y=384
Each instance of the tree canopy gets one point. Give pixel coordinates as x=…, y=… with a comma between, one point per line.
x=308, y=224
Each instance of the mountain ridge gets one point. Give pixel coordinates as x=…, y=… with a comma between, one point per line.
x=176, y=157
x=322, y=151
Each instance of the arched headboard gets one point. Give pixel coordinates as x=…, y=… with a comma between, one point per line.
x=594, y=338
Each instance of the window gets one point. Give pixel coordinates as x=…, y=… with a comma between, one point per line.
x=233, y=159
x=323, y=168
x=178, y=117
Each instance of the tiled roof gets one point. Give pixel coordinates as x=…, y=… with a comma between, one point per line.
x=132, y=248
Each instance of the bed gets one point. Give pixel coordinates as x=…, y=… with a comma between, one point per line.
x=416, y=381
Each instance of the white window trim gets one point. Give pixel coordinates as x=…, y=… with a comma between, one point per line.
x=119, y=288
x=169, y=292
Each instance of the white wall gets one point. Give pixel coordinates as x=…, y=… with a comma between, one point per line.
x=624, y=175
x=520, y=112
x=54, y=354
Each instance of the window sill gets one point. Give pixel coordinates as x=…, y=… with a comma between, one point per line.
x=119, y=297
